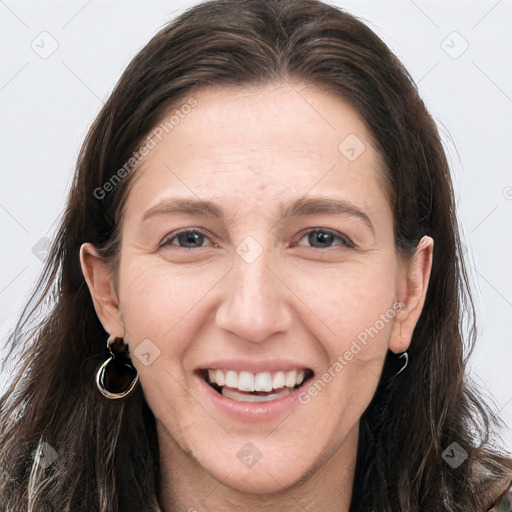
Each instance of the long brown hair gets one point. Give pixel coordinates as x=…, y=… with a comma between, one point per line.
x=107, y=451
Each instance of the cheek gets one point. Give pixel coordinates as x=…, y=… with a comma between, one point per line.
x=162, y=310
x=354, y=302
x=365, y=319
x=166, y=302
x=158, y=299
x=361, y=316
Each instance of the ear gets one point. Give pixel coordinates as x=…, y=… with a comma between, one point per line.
x=412, y=284
x=99, y=279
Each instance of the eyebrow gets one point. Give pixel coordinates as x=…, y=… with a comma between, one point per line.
x=311, y=205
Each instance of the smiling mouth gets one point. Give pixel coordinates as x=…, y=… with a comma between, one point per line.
x=255, y=387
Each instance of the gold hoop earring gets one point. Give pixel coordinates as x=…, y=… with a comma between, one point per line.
x=117, y=377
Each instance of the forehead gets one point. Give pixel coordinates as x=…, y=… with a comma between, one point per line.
x=251, y=146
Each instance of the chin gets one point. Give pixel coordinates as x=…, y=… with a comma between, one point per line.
x=252, y=471
x=260, y=479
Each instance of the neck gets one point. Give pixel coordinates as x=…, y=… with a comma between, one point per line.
x=188, y=487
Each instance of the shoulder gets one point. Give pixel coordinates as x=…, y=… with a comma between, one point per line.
x=504, y=502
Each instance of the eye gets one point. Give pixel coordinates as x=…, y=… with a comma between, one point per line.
x=324, y=238
x=194, y=237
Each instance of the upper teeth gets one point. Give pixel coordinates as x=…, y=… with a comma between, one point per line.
x=263, y=381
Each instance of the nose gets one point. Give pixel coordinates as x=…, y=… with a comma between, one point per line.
x=255, y=306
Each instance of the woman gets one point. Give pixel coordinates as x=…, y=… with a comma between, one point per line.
x=256, y=290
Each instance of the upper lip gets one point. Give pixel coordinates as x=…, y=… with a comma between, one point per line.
x=254, y=366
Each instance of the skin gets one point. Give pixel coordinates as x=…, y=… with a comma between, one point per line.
x=248, y=150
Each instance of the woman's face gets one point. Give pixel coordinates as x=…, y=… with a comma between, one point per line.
x=285, y=269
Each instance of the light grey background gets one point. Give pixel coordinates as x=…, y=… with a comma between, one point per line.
x=458, y=52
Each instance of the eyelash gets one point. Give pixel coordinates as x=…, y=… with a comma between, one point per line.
x=345, y=241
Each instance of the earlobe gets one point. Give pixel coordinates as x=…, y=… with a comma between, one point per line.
x=411, y=293
x=98, y=277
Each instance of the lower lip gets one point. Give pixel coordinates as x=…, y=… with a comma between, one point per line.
x=252, y=411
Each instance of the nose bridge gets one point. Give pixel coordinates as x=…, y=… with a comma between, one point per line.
x=254, y=307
